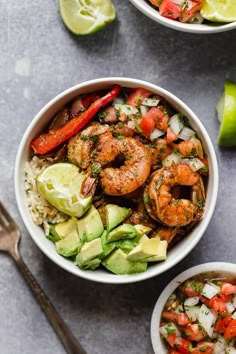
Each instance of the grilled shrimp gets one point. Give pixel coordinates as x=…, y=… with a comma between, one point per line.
x=81, y=145
x=160, y=149
x=162, y=206
x=130, y=176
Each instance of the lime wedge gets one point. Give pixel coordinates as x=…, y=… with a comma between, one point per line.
x=226, y=109
x=219, y=10
x=60, y=185
x=86, y=16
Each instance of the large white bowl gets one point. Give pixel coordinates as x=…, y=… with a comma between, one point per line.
x=225, y=269
x=151, y=12
x=24, y=152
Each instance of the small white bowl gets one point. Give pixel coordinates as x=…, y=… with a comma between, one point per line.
x=226, y=269
x=154, y=14
x=42, y=119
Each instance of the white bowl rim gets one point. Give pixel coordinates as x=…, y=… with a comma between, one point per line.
x=150, y=12
x=107, y=277
x=170, y=288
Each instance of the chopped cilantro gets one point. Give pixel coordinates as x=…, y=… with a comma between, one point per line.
x=118, y=136
x=96, y=169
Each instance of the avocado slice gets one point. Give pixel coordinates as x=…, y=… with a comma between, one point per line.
x=161, y=253
x=88, y=251
x=142, y=229
x=123, y=231
x=115, y=215
x=69, y=245
x=118, y=263
x=107, y=247
x=90, y=226
x=93, y=264
x=143, y=250
x=63, y=229
x=52, y=235
x=127, y=245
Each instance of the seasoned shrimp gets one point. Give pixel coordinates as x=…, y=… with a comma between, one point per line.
x=163, y=206
x=130, y=176
x=81, y=145
x=160, y=149
x=192, y=147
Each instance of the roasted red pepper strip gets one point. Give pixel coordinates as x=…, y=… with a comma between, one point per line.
x=47, y=142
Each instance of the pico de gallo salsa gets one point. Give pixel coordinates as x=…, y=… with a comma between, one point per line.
x=200, y=317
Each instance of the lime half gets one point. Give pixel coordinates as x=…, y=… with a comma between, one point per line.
x=60, y=185
x=86, y=16
x=226, y=109
x=219, y=10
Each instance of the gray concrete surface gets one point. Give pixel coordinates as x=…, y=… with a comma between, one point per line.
x=39, y=58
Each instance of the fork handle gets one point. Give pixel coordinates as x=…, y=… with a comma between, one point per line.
x=69, y=341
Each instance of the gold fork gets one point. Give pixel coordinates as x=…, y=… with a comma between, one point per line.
x=9, y=240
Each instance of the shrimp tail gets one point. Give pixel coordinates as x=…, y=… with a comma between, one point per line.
x=89, y=185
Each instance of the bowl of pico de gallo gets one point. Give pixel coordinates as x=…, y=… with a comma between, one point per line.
x=194, y=16
x=196, y=312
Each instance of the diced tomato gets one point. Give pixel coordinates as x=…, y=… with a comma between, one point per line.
x=183, y=345
x=147, y=124
x=153, y=117
x=180, y=318
x=171, y=339
x=190, y=10
x=228, y=289
x=169, y=9
x=173, y=352
x=222, y=324
x=161, y=118
x=192, y=288
x=183, y=319
x=171, y=136
x=137, y=96
x=195, y=332
x=230, y=330
x=203, y=347
x=218, y=305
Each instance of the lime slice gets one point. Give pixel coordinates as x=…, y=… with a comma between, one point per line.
x=219, y=10
x=60, y=185
x=226, y=109
x=86, y=16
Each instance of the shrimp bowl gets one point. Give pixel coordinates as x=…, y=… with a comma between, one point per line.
x=196, y=312
x=116, y=180
x=197, y=16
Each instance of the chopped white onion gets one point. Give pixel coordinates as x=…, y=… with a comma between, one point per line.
x=191, y=301
x=192, y=312
x=150, y=102
x=194, y=163
x=230, y=350
x=197, y=19
x=143, y=110
x=234, y=316
x=126, y=109
x=230, y=307
x=210, y=290
x=156, y=133
x=165, y=330
x=171, y=159
x=131, y=124
x=207, y=319
x=176, y=124
x=186, y=133
x=219, y=348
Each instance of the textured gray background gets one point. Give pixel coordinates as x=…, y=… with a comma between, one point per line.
x=40, y=58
